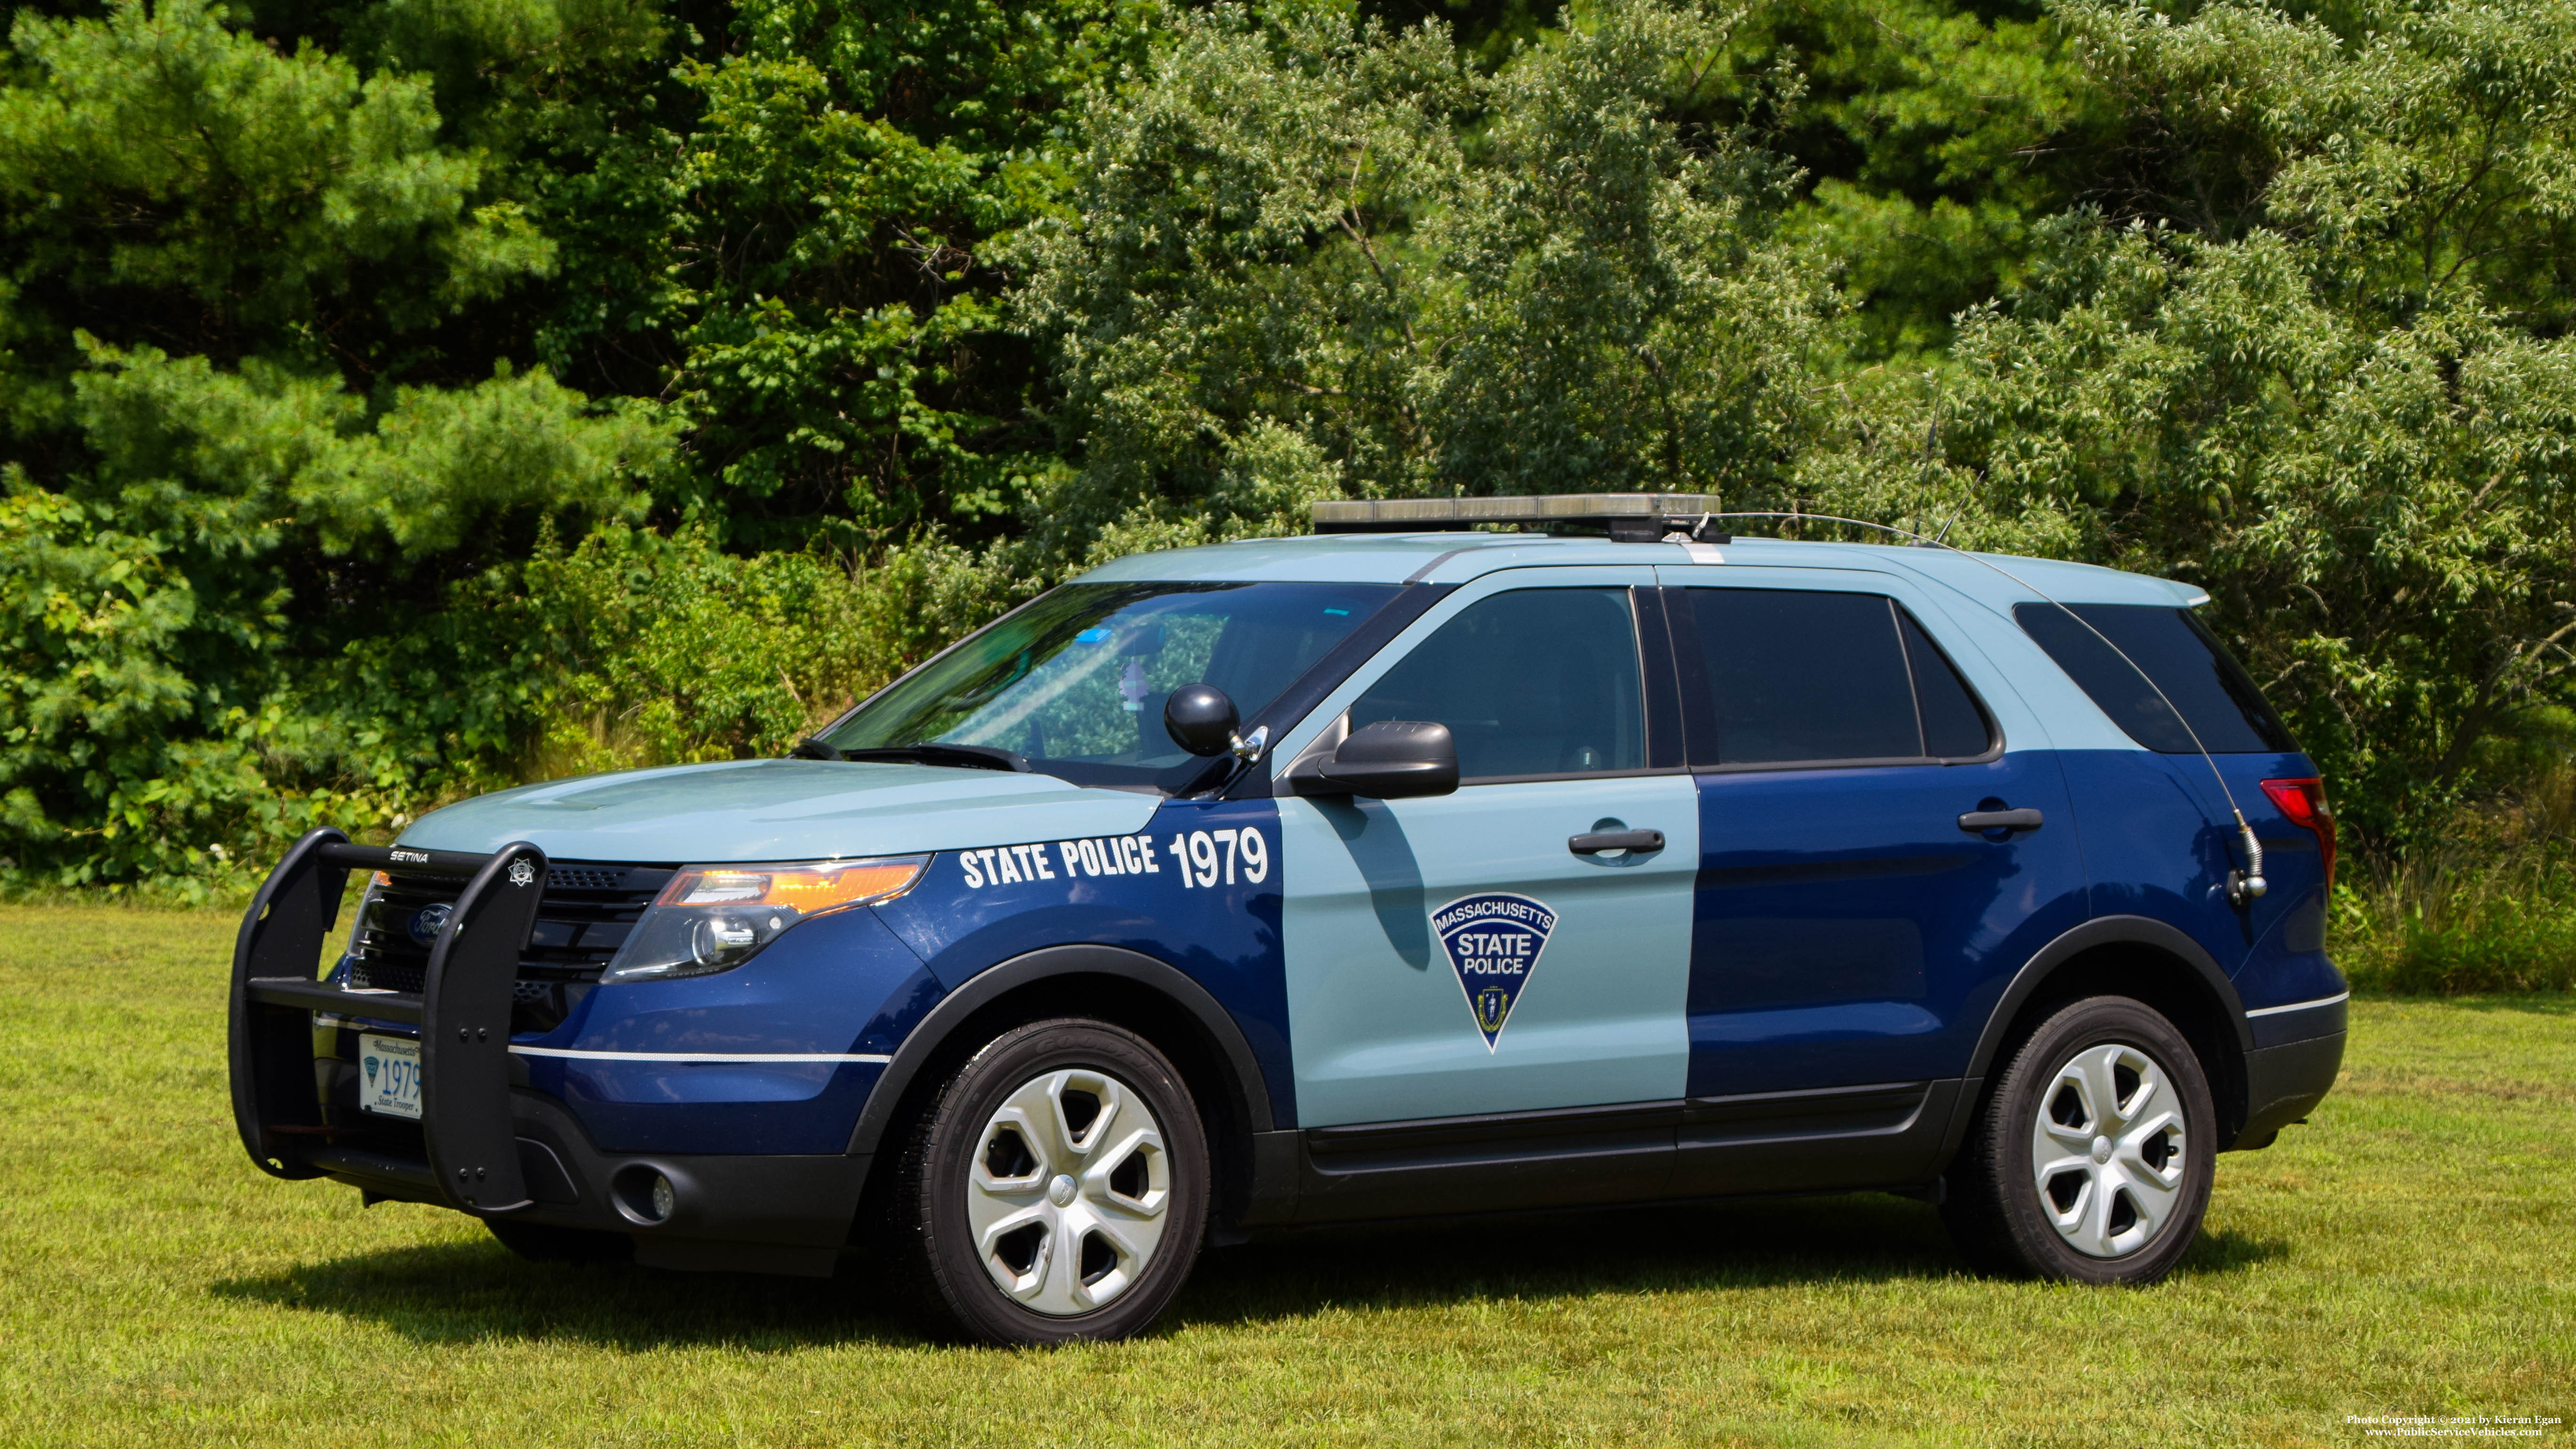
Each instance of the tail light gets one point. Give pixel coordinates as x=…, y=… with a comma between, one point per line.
x=2304, y=801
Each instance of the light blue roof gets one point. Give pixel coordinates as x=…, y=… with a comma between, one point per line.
x=1997, y=580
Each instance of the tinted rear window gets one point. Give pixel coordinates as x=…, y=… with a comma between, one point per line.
x=2190, y=666
x=1796, y=677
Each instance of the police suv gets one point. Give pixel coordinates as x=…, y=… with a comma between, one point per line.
x=1378, y=873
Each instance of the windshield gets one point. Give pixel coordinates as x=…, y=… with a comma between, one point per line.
x=1076, y=681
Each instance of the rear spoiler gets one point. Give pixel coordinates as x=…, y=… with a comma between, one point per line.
x=463, y=1013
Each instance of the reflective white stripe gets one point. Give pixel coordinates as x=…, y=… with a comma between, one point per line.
x=2300, y=1005
x=864, y=1057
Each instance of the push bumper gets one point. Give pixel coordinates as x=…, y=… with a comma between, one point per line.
x=484, y=1145
x=786, y=1214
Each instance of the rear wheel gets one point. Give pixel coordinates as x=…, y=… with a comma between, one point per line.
x=2092, y=1159
x=546, y=1243
x=1058, y=1187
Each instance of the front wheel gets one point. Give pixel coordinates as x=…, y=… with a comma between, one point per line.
x=2092, y=1159
x=1058, y=1187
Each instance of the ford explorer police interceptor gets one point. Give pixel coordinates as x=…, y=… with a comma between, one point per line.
x=1400, y=870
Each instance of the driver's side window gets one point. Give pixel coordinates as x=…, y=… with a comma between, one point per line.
x=1530, y=682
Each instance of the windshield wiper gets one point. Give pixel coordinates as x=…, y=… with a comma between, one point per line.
x=967, y=757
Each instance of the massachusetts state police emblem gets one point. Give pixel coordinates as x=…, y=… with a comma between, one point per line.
x=1493, y=940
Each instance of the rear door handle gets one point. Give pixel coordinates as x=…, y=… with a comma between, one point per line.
x=1977, y=822
x=1593, y=842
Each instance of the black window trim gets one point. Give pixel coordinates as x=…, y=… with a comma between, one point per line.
x=1667, y=740
x=1700, y=724
x=1469, y=782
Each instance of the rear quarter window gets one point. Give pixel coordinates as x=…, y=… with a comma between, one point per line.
x=2186, y=662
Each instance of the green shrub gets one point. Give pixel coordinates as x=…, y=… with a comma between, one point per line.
x=2491, y=907
x=630, y=649
x=342, y=348
x=661, y=650
x=2460, y=938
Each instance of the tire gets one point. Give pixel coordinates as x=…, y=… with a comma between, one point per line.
x=2063, y=1177
x=546, y=1243
x=1055, y=1189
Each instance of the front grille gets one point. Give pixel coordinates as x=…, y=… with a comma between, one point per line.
x=585, y=916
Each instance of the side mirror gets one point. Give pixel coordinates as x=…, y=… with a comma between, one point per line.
x=1200, y=719
x=1393, y=759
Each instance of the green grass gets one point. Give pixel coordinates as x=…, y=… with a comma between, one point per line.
x=2414, y=1250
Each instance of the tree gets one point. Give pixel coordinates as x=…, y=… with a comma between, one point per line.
x=1306, y=256
x=225, y=262
x=2321, y=369
x=841, y=363
x=1935, y=135
x=315, y=320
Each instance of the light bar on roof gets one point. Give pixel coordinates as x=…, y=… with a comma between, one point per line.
x=1627, y=516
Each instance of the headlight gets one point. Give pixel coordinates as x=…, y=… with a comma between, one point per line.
x=715, y=917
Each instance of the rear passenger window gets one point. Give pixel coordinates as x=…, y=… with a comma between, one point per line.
x=2188, y=664
x=1791, y=677
x=1532, y=682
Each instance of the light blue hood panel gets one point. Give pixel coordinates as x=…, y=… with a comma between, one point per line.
x=745, y=810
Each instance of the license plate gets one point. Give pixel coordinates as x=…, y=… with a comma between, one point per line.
x=389, y=1076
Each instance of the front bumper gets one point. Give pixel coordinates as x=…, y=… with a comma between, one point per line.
x=484, y=1144
x=754, y=1214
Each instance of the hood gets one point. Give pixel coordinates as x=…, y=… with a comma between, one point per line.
x=746, y=810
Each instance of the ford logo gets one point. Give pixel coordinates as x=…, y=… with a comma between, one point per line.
x=428, y=921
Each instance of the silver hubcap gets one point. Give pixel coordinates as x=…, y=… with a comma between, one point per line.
x=1067, y=1194
x=2107, y=1151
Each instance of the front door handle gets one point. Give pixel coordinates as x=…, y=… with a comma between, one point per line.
x=1977, y=822
x=1593, y=842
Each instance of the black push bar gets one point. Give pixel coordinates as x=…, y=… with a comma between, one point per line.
x=463, y=1013
x=403, y=858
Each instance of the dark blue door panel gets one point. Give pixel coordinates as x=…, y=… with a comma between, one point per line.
x=2158, y=842
x=1212, y=911
x=1848, y=931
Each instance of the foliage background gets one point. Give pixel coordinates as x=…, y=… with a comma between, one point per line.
x=400, y=398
